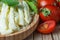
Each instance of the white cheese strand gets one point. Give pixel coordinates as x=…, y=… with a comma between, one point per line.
x=3, y=24
x=16, y=17
x=12, y=24
x=26, y=13
x=21, y=17
x=3, y=17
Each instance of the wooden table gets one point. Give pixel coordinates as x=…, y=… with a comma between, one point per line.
x=53, y=36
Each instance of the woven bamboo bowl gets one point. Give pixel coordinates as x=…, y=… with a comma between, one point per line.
x=24, y=32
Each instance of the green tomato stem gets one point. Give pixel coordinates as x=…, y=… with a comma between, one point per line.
x=45, y=11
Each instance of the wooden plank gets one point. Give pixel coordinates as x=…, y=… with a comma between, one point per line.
x=47, y=36
x=37, y=36
x=30, y=37
x=55, y=36
x=56, y=33
x=58, y=36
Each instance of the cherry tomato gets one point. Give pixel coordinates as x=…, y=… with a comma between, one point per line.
x=43, y=3
x=47, y=27
x=49, y=13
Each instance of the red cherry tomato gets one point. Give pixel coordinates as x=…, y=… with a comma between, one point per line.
x=50, y=13
x=43, y=3
x=47, y=27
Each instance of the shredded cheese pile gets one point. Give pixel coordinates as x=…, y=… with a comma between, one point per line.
x=11, y=18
